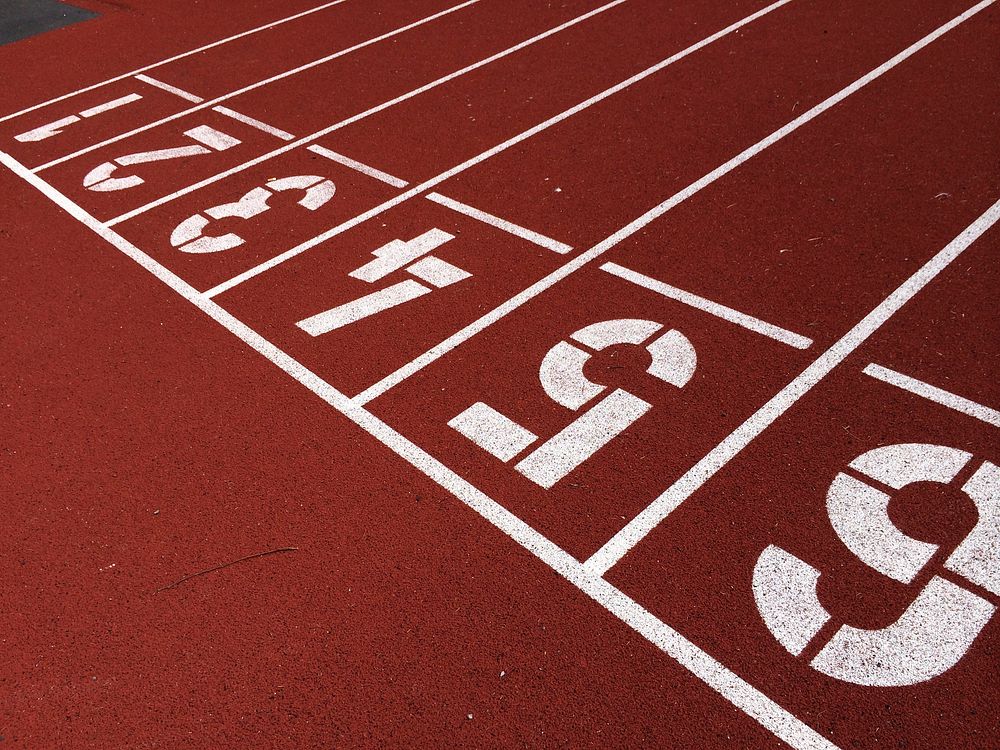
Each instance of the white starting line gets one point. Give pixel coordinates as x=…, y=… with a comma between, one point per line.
x=169, y=89
x=933, y=393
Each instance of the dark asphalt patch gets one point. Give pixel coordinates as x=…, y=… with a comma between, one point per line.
x=20, y=19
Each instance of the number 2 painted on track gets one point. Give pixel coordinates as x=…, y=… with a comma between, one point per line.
x=943, y=620
x=101, y=180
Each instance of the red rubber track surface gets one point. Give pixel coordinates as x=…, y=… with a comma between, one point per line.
x=201, y=552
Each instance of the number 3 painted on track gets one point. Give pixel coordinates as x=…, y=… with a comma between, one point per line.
x=189, y=237
x=944, y=619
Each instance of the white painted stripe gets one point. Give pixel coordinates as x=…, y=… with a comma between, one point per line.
x=437, y=272
x=495, y=433
x=181, y=56
x=170, y=89
x=46, y=131
x=255, y=85
x=725, y=682
x=935, y=394
x=507, y=226
x=262, y=126
x=113, y=104
x=395, y=254
x=625, y=232
x=350, y=163
x=619, y=545
x=712, y=308
x=434, y=181
x=52, y=128
x=582, y=438
x=397, y=100
x=209, y=136
x=363, y=307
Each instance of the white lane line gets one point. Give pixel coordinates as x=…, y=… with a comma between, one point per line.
x=935, y=394
x=712, y=308
x=445, y=79
x=507, y=226
x=113, y=104
x=133, y=73
x=619, y=545
x=456, y=339
x=350, y=163
x=725, y=682
x=252, y=86
x=169, y=89
x=434, y=181
x=262, y=126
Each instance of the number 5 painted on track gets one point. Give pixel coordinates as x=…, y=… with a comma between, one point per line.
x=562, y=379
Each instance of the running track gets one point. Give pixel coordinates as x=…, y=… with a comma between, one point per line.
x=500, y=373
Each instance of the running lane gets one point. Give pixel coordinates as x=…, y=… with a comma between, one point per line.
x=120, y=40
x=143, y=443
x=35, y=139
x=500, y=267
x=792, y=507
x=311, y=100
x=585, y=178
x=529, y=88
x=751, y=333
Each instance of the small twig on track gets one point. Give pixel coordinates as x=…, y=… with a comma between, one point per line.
x=224, y=565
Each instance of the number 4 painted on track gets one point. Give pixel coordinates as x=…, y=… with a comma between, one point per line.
x=415, y=256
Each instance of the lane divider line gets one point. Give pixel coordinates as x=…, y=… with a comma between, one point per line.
x=507, y=226
x=713, y=673
x=251, y=87
x=254, y=123
x=712, y=308
x=933, y=393
x=354, y=164
x=169, y=89
x=459, y=337
x=434, y=181
x=181, y=56
x=411, y=94
x=693, y=479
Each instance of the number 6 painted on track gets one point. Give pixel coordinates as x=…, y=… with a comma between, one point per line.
x=944, y=619
x=562, y=378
